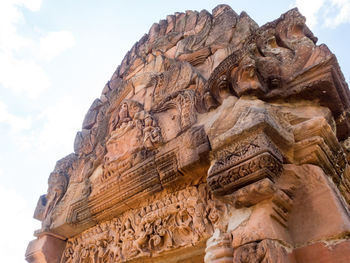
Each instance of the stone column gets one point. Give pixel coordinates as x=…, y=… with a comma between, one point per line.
x=45, y=249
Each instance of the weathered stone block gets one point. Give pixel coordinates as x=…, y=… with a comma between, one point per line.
x=45, y=249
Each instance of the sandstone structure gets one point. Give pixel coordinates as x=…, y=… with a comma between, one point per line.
x=215, y=141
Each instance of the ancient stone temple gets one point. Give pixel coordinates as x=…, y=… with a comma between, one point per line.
x=215, y=141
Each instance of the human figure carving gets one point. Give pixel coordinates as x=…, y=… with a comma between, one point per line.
x=151, y=133
x=92, y=253
x=128, y=237
x=141, y=241
x=102, y=251
x=123, y=116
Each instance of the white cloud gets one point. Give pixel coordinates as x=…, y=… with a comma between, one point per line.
x=341, y=8
x=26, y=76
x=16, y=123
x=54, y=43
x=10, y=17
x=16, y=226
x=23, y=76
x=328, y=13
x=62, y=121
x=52, y=132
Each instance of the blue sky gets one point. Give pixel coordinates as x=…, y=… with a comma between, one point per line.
x=55, y=58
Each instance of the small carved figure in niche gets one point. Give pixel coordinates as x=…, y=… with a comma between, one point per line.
x=115, y=240
x=128, y=237
x=212, y=212
x=183, y=220
x=141, y=242
x=198, y=214
x=92, y=253
x=115, y=252
x=87, y=188
x=102, y=251
x=123, y=116
x=151, y=133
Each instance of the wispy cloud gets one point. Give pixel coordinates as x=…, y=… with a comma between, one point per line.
x=22, y=76
x=61, y=122
x=10, y=18
x=22, y=73
x=26, y=76
x=17, y=124
x=341, y=13
x=16, y=226
x=327, y=13
x=55, y=43
x=51, y=132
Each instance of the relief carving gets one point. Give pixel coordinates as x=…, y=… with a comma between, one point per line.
x=185, y=105
x=134, y=137
x=254, y=149
x=274, y=62
x=58, y=183
x=255, y=169
x=172, y=221
x=57, y=187
x=207, y=133
x=152, y=135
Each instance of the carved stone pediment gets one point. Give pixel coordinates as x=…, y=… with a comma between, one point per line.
x=215, y=140
x=125, y=188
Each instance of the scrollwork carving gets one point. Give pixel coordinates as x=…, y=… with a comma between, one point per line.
x=252, y=170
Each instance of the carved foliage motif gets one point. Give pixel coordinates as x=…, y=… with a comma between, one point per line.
x=176, y=220
x=184, y=102
x=257, y=168
x=237, y=152
x=244, y=162
x=177, y=77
